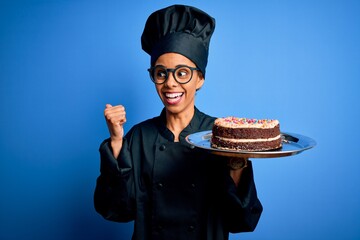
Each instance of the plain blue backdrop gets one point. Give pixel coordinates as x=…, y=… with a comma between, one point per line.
x=62, y=61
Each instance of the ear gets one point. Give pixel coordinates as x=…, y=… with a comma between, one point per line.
x=200, y=81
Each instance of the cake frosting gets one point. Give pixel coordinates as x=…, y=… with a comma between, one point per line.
x=246, y=134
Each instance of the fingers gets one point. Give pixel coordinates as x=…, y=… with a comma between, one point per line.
x=115, y=114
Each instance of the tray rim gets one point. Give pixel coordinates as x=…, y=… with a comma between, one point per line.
x=304, y=142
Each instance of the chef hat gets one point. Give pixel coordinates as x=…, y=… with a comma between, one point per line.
x=179, y=29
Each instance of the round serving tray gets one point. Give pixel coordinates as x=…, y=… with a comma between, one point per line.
x=292, y=144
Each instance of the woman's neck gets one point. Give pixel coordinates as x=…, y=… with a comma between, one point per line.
x=178, y=122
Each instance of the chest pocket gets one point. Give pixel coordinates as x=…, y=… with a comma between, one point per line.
x=179, y=180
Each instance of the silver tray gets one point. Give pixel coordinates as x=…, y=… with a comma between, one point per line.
x=292, y=144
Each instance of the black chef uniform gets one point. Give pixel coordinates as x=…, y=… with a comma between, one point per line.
x=171, y=189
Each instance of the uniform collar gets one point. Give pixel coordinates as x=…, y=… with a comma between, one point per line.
x=189, y=129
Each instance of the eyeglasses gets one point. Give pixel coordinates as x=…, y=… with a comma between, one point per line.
x=182, y=73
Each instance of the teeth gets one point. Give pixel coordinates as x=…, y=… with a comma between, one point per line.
x=173, y=95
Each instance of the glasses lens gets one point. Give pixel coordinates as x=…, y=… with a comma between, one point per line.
x=183, y=74
x=159, y=74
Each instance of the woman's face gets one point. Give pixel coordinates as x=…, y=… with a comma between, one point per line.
x=178, y=98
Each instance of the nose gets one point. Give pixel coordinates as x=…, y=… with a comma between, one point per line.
x=170, y=81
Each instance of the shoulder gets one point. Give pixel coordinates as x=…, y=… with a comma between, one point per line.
x=147, y=127
x=205, y=121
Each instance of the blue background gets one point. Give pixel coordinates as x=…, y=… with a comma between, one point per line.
x=62, y=61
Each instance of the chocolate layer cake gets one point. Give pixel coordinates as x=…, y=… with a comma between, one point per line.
x=246, y=134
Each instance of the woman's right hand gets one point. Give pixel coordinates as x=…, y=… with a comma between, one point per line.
x=115, y=117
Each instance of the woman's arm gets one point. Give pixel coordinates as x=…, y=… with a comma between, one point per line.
x=114, y=192
x=243, y=208
x=113, y=197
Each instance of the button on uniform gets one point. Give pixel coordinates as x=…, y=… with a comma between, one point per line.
x=160, y=185
x=191, y=228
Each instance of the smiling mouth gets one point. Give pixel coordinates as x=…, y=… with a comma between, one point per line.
x=173, y=95
x=173, y=98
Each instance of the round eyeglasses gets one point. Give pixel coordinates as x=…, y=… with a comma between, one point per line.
x=182, y=73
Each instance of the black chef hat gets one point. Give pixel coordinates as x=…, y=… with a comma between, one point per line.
x=180, y=29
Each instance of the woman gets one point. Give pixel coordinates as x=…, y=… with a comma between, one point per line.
x=152, y=175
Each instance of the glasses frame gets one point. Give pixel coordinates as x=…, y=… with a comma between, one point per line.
x=172, y=70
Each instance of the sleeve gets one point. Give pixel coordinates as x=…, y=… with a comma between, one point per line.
x=243, y=208
x=114, y=192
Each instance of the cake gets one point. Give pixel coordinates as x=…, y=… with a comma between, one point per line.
x=246, y=134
